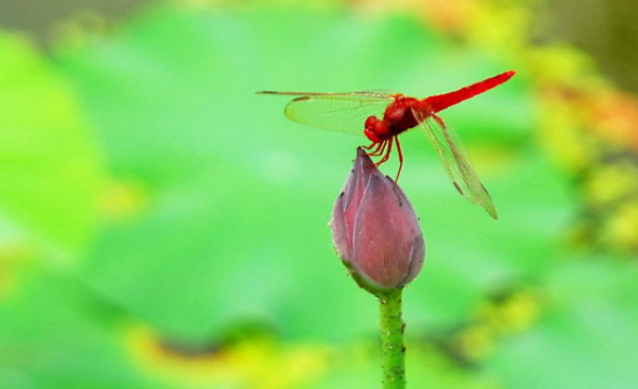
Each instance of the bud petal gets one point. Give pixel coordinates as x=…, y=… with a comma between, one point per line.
x=375, y=229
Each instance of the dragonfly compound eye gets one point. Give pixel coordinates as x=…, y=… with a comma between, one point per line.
x=376, y=130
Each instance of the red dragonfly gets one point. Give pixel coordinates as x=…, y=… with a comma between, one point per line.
x=347, y=112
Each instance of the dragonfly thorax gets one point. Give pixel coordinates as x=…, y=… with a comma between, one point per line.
x=399, y=115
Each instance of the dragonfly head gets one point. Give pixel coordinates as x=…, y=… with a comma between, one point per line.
x=376, y=130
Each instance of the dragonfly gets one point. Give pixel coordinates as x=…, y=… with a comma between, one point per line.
x=382, y=116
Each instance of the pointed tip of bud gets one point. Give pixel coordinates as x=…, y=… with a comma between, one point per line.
x=375, y=229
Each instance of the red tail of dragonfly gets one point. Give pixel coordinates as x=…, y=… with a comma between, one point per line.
x=354, y=112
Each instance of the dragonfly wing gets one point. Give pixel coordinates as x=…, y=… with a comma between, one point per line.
x=456, y=160
x=344, y=112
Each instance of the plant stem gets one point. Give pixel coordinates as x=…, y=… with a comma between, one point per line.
x=392, y=349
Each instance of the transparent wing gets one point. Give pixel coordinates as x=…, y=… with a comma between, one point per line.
x=456, y=160
x=344, y=112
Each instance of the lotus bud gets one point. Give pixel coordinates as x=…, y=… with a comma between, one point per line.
x=375, y=230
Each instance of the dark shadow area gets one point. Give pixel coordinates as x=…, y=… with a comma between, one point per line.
x=39, y=17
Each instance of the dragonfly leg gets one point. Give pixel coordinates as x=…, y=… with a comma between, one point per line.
x=400, y=158
x=387, y=152
x=379, y=149
x=371, y=145
x=376, y=147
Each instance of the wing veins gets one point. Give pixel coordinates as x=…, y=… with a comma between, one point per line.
x=335, y=112
x=456, y=161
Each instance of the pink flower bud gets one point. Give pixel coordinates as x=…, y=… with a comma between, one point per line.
x=375, y=229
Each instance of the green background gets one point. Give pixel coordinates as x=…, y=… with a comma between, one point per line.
x=163, y=226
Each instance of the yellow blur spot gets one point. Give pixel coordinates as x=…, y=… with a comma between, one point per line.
x=257, y=363
x=564, y=68
x=563, y=136
x=612, y=183
x=498, y=29
x=622, y=228
x=518, y=313
x=496, y=320
x=515, y=314
x=14, y=256
x=475, y=342
x=122, y=200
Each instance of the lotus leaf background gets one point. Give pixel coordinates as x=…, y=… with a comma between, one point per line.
x=162, y=226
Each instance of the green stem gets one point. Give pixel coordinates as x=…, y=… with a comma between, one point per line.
x=392, y=349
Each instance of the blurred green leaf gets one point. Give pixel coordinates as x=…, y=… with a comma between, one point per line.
x=56, y=335
x=587, y=339
x=237, y=199
x=49, y=163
